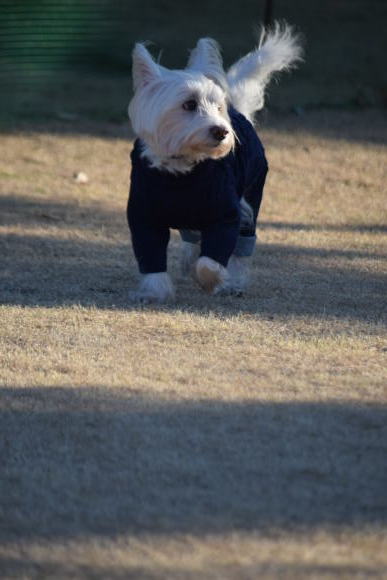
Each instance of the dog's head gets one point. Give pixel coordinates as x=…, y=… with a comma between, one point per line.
x=181, y=115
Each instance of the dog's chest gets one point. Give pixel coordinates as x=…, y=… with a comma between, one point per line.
x=192, y=200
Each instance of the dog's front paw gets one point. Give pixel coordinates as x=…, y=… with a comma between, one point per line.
x=210, y=274
x=156, y=287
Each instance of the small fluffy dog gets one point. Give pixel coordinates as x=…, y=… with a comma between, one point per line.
x=198, y=165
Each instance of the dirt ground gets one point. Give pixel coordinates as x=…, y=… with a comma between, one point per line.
x=219, y=438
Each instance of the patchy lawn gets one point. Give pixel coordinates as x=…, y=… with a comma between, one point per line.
x=220, y=437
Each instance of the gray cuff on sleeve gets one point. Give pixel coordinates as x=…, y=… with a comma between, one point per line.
x=190, y=236
x=245, y=246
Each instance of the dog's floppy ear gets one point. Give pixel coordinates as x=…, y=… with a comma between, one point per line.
x=145, y=69
x=206, y=58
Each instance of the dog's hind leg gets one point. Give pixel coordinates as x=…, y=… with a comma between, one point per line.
x=238, y=270
x=248, y=218
x=189, y=253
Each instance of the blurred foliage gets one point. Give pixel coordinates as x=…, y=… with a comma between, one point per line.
x=75, y=54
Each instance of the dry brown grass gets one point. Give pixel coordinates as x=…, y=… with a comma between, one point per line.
x=214, y=438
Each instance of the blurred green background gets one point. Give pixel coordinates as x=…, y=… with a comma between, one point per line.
x=68, y=58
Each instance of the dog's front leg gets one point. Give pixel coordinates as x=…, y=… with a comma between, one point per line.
x=150, y=245
x=218, y=242
x=210, y=274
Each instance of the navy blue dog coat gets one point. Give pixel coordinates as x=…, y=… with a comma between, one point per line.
x=206, y=200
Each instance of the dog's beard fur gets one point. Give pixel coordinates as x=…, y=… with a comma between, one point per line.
x=175, y=138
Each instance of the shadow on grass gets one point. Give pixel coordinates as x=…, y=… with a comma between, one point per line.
x=45, y=269
x=301, y=227
x=79, y=461
x=352, y=125
x=269, y=568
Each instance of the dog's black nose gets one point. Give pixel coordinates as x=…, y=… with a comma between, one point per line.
x=218, y=133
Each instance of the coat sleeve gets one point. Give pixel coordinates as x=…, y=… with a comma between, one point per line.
x=219, y=239
x=149, y=245
x=149, y=240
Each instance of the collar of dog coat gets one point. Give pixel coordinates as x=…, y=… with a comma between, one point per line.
x=182, y=161
x=173, y=164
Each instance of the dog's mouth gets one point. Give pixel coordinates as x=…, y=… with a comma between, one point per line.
x=187, y=159
x=218, y=150
x=195, y=149
x=212, y=148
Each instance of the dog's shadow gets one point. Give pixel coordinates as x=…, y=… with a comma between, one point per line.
x=48, y=267
x=86, y=461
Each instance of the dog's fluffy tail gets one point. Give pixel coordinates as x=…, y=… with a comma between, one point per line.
x=279, y=49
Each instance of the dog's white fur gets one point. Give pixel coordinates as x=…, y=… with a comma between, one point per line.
x=157, y=287
x=176, y=138
x=279, y=50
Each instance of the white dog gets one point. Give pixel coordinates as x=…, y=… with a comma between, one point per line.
x=198, y=165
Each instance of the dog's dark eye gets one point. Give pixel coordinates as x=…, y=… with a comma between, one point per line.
x=190, y=105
